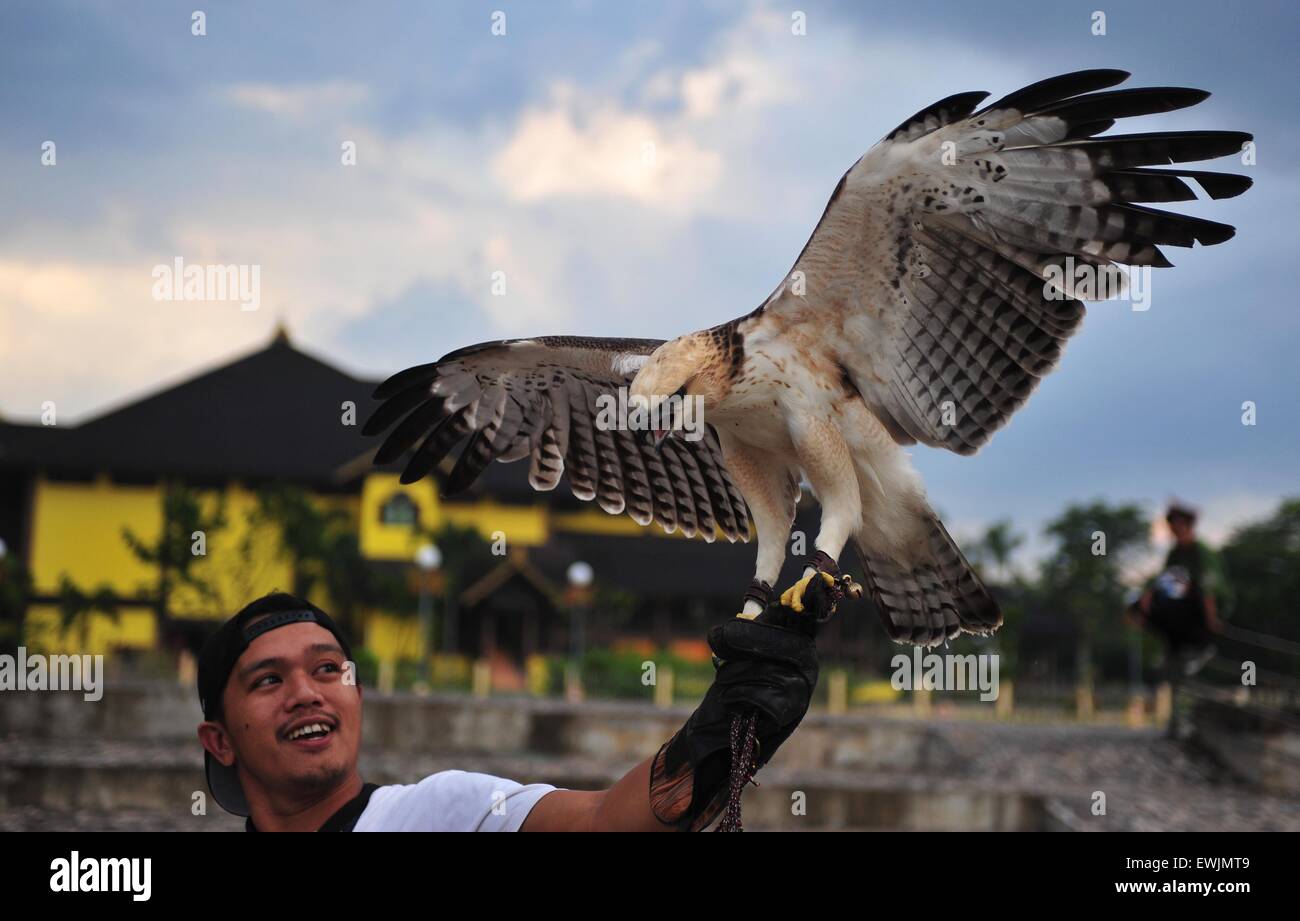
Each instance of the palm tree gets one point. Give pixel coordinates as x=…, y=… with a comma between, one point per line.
x=995, y=549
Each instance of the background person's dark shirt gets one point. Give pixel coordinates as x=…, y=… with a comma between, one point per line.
x=1178, y=595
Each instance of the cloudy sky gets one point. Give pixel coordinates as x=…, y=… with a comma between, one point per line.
x=632, y=170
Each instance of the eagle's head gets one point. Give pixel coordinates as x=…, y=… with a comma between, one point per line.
x=670, y=389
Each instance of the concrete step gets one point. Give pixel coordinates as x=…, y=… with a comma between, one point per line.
x=112, y=785
x=132, y=780
x=134, y=753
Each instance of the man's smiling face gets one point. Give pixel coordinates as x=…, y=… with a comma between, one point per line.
x=293, y=726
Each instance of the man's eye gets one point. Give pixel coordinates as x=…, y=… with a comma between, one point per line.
x=260, y=682
x=332, y=666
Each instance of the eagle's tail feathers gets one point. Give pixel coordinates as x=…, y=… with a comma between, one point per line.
x=933, y=600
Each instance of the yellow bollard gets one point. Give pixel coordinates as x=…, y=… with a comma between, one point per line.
x=481, y=679
x=1136, y=716
x=538, y=675
x=573, y=690
x=921, y=702
x=187, y=668
x=1164, y=703
x=663, y=695
x=1084, y=704
x=838, y=698
x=1006, y=702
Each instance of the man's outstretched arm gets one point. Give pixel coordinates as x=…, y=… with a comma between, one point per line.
x=623, y=807
x=766, y=665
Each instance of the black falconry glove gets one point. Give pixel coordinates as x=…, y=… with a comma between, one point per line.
x=766, y=673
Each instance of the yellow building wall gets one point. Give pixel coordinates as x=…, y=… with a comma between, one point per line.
x=77, y=531
x=241, y=563
x=598, y=521
x=392, y=638
x=381, y=541
x=91, y=634
x=522, y=525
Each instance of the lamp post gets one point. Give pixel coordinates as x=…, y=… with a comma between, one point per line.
x=429, y=559
x=580, y=576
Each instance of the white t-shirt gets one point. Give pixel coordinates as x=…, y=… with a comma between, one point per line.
x=452, y=801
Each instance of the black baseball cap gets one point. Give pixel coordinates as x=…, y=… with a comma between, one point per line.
x=1180, y=509
x=217, y=659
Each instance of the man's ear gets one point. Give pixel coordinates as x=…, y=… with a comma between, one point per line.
x=213, y=737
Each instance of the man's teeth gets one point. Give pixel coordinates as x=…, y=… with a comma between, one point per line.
x=309, y=730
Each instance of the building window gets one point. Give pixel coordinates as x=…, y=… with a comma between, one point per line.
x=400, y=510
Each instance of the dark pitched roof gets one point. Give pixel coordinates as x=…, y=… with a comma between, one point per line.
x=274, y=414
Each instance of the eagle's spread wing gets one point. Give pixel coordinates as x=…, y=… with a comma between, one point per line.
x=926, y=272
x=537, y=398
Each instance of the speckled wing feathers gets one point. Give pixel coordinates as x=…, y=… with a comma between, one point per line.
x=943, y=234
x=537, y=398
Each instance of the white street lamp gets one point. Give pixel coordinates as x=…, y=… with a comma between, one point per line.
x=428, y=558
x=580, y=574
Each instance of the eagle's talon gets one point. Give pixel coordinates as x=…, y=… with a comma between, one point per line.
x=816, y=594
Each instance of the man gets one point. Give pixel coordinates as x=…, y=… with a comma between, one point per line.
x=1182, y=604
x=282, y=732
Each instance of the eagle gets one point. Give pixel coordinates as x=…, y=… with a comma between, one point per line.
x=937, y=290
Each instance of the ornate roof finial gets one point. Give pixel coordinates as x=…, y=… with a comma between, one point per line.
x=281, y=336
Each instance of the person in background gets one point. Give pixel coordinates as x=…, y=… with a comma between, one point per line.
x=1183, y=604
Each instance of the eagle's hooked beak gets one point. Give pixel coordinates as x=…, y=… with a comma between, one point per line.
x=654, y=438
